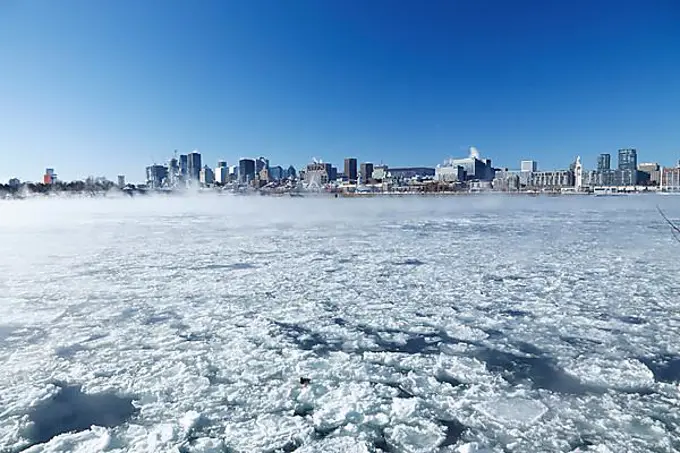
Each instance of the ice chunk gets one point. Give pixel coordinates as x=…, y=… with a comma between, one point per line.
x=513, y=412
x=611, y=373
x=419, y=437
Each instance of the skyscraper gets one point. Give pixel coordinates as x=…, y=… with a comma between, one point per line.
x=291, y=173
x=183, y=166
x=194, y=165
x=222, y=172
x=604, y=162
x=366, y=172
x=351, y=169
x=261, y=163
x=246, y=170
x=628, y=159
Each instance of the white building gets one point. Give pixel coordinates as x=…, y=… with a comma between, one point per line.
x=528, y=166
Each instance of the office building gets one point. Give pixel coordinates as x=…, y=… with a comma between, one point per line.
x=194, y=166
x=649, y=173
x=628, y=159
x=233, y=173
x=121, y=181
x=276, y=173
x=291, y=173
x=670, y=179
x=379, y=173
x=449, y=173
x=183, y=166
x=333, y=175
x=206, y=176
x=246, y=170
x=604, y=162
x=156, y=175
x=366, y=171
x=528, y=166
x=351, y=169
x=260, y=164
x=222, y=172
x=556, y=179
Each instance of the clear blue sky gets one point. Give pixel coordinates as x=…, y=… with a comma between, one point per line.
x=105, y=87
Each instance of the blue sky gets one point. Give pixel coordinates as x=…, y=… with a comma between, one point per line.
x=107, y=87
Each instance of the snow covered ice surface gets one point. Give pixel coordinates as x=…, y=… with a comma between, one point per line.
x=453, y=324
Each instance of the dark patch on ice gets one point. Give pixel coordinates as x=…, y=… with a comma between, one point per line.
x=72, y=410
x=454, y=430
x=339, y=322
x=493, y=333
x=67, y=352
x=632, y=320
x=159, y=318
x=542, y=372
x=288, y=447
x=580, y=341
x=227, y=267
x=422, y=343
x=195, y=336
x=409, y=262
x=303, y=410
x=381, y=445
x=580, y=443
x=529, y=348
x=331, y=271
x=517, y=313
x=307, y=339
x=322, y=433
x=665, y=368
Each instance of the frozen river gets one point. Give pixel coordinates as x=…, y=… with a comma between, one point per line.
x=456, y=324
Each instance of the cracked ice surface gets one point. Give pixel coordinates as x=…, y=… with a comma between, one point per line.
x=460, y=324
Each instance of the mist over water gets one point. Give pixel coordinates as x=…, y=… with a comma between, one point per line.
x=445, y=324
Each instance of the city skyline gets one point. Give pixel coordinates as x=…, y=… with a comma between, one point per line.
x=333, y=79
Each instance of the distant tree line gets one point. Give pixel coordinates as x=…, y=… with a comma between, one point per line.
x=91, y=186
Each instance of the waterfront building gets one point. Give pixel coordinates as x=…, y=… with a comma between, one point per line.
x=578, y=174
x=246, y=170
x=528, y=166
x=351, y=169
x=366, y=170
x=206, y=176
x=604, y=162
x=121, y=181
x=333, y=176
x=649, y=173
x=450, y=173
x=670, y=179
x=379, y=172
x=555, y=179
x=194, y=166
x=317, y=174
x=156, y=175
x=475, y=168
x=411, y=172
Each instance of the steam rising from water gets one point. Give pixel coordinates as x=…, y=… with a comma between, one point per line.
x=422, y=324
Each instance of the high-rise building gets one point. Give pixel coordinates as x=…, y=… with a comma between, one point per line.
x=528, y=166
x=351, y=169
x=183, y=166
x=291, y=173
x=366, y=172
x=604, y=162
x=628, y=159
x=121, y=181
x=233, y=173
x=261, y=163
x=156, y=175
x=276, y=173
x=246, y=170
x=206, y=176
x=194, y=165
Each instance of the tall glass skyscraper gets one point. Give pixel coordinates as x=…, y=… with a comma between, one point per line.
x=604, y=162
x=628, y=159
x=194, y=165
